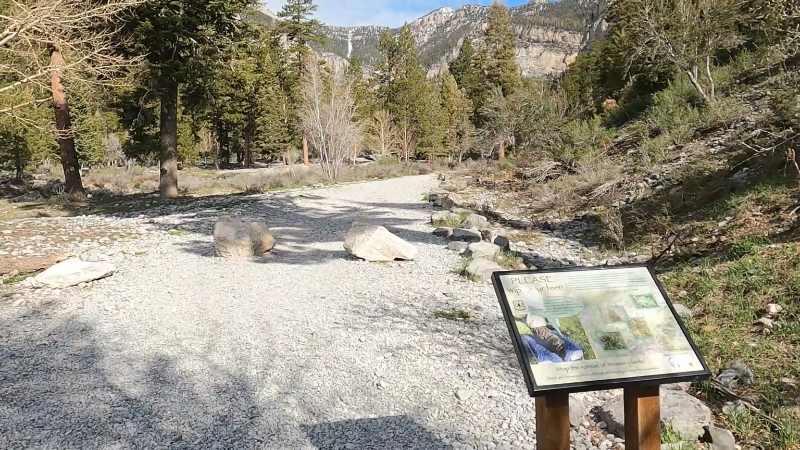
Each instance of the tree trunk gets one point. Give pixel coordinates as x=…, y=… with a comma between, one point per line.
x=501, y=152
x=696, y=84
x=248, y=156
x=66, y=143
x=168, y=182
x=712, y=89
x=18, y=165
x=305, y=150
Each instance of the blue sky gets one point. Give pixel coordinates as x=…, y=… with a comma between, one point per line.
x=391, y=13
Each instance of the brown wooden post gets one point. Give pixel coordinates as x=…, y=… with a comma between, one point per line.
x=501, y=152
x=642, y=418
x=552, y=422
x=305, y=150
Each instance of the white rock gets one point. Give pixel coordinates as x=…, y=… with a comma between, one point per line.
x=483, y=250
x=376, y=243
x=773, y=309
x=73, y=272
x=482, y=269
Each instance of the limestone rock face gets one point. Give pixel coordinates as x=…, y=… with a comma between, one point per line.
x=541, y=50
x=376, y=243
x=238, y=238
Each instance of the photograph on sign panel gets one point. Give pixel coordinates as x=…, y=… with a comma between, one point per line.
x=550, y=339
x=618, y=318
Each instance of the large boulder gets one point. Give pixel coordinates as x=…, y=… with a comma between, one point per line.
x=71, y=272
x=483, y=250
x=238, y=238
x=475, y=221
x=684, y=413
x=482, y=269
x=463, y=235
x=376, y=243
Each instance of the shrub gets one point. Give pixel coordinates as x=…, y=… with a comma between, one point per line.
x=673, y=112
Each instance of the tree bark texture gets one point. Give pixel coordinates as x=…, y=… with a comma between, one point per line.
x=168, y=180
x=248, y=157
x=305, y=150
x=66, y=142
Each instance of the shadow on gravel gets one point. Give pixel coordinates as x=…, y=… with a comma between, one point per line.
x=383, y=433
x=299, y=229
x=58, y=389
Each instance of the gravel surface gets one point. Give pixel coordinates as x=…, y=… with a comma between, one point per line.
x=306, y=349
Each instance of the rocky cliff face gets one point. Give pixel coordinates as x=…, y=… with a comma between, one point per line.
x=597, y=27
x=548, y=35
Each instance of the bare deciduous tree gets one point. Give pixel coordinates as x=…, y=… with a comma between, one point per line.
x=685, y=35
x=327, y=112
x=406, y=139
x=44, y=42
x=382, y=133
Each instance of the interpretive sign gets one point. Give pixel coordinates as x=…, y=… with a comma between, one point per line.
x=582, y=329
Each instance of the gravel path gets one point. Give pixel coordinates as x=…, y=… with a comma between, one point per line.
x=307, y=349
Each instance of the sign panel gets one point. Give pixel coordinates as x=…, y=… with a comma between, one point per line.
x=581, y=329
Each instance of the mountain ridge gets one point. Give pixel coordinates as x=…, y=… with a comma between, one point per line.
x=548, y=35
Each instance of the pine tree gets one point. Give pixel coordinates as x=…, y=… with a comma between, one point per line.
x=404, y=90
x=360, y=87
x=180, y=39
x=466, y=70
x=456, y=108
x=300, y=30
x=501, y=62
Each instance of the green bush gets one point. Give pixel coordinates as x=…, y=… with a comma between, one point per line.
x=784, y=100
x=673, y=112
x=584, y=137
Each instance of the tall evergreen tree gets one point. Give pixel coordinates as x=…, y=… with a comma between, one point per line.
x=299, y=30
x=404, y=90
x=180, y=38
x=360, y=87
x=501, y=62
x=456, y=108
x=467, y=72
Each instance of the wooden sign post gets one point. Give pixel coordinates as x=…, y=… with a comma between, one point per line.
x=552, y=422
x=642, y=418
x=591, y=329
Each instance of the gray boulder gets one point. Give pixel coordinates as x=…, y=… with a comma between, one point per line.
x=503, y=242
x=578, y=410
x=376, y=243
x=482, y=269
x=448, y=200
x=458, y=246
x=71, y=272
x=475, y=221
x=238, y=238
x=460, y=234
x=444, y=232
x=445, y=216
x=684, y=413
x=483, y=250
x=719, y=438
